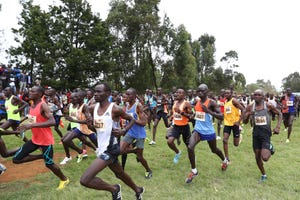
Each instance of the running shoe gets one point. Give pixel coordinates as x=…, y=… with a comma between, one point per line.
x=65, y=160
x=79, y=158
x=148, y=175
x=2, y=169
x=263, y=178
x=224, y=164
x=152, y=142
x=287, y=141
x=84, y=153
x=176, y=157
x=139, y=195
x=63, y=184
x=272, y=149
x=117, y=195
x=190, y=177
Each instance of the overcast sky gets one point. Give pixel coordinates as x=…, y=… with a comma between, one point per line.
x=264, y=33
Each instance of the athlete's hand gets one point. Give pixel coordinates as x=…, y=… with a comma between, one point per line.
x=24, y=127
x=117, y=132
x=276, y=130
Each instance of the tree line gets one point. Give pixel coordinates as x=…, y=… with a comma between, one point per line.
x=69, y=46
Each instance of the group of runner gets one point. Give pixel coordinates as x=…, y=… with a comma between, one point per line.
x=113, y=124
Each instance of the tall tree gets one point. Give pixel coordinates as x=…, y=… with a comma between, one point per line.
x=292, y=81
x=62, y=42
x=184, y=61
x=206, y=61
x=135, y=24
x=236, y=78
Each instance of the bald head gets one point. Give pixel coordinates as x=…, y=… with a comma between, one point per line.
x=203, y=87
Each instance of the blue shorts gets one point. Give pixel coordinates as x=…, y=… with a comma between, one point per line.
x=204, y=137
x=78, y=133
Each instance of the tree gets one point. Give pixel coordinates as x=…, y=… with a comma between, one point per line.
x=58, y=44
x=292, y=81
x=135, y=25
x=205, y=56
x=266, y=86
x=237, y=80
x=184, y=61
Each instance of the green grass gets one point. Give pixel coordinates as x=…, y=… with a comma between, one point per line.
x=239, y=181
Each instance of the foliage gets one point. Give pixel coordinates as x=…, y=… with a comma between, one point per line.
x=68, y=46
x=135, y=25
x=292, y=81
x=58, y=44
x=267, y=87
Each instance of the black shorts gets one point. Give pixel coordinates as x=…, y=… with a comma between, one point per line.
x=161, y=114
x=175, y=131
x=29, y=147
x=235, y=130
x=261, y=141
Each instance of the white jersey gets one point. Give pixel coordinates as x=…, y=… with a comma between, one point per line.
x=104, y=125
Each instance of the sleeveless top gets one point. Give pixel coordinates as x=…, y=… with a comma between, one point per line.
x=290, y=103
x=221, y=103
x=159, y=103
x=204, y=123
x=107, y=142
x=10, y=109
x=179, y=119
x=136, y=131
x=83, y=127
x=262, y=121
x=40, y=136
x=73, y=113
x=231, y=113
x=2, y=102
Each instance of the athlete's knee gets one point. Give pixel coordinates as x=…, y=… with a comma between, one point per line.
x=119, y=174
x=49, y=165
x=265, y=158
x=84, y=180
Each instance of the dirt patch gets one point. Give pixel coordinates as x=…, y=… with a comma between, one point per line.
x=26, y=170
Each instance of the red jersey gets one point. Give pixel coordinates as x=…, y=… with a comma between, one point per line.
x=40, y=136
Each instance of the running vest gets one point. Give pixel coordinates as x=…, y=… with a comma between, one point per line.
x=290, y=103
x=40, y=136
x=136, y=131
x=73, y=113
x=203, y=120
x=83, y=127
x=104, y=124
x=231, y=113
x=262, y=120
x=10, y=109
x=221, y=103
x=178, y=119
x=2, y=103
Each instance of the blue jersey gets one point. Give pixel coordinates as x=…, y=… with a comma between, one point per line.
x=136, y=131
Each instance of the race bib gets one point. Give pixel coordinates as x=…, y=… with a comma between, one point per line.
x=228, y=109
x=31, y=119
x=99, y=124
x=260, y=120
x=290, y=103
x=177, y=116
x=200, y=116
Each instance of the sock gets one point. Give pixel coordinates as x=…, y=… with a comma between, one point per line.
x=195, y=171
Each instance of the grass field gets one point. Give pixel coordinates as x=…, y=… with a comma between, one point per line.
x=239, y=181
